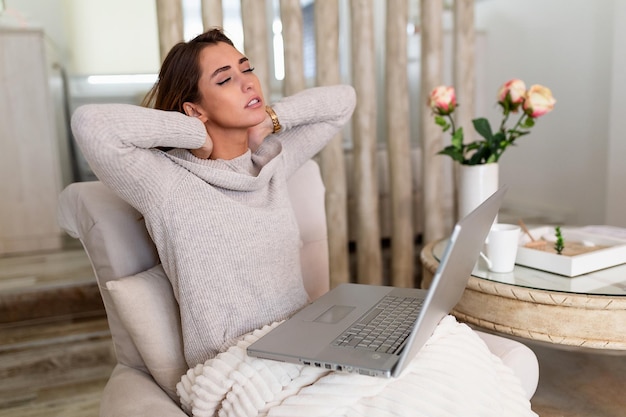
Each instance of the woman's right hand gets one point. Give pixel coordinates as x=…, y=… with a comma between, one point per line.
x=204, y=152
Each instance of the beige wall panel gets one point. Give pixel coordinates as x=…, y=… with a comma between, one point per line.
x=29, y=161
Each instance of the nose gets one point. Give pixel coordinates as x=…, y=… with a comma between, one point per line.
x=247, y=85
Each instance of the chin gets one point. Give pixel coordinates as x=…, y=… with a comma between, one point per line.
x=260, y=115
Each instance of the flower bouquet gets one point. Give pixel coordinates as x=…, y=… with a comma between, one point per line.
x=512, y=96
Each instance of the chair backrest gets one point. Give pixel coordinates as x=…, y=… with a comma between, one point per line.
x=118, y=245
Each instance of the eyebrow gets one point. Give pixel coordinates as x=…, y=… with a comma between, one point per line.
x=227, y=67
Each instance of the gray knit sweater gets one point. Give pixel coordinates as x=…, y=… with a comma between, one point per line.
x=224, y=229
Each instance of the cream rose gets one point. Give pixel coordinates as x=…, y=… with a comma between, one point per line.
x=538, y=101
x=443, y=100
x=515, y=89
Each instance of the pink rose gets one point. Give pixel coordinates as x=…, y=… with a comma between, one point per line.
x=515, y=90
x=443, y=100
x=538, y=101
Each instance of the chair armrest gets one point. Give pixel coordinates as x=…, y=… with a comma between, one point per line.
x=517, y=356
x=130, y=392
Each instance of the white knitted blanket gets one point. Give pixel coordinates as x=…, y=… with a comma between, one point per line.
x=453, y=375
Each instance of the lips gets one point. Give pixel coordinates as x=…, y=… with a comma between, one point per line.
x=253, y=102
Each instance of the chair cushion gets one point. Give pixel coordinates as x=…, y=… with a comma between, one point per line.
x=115, y=238
x=307, y=195
x=131, y=392
x=147, y=309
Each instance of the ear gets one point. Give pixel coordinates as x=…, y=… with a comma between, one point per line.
x=193, y=110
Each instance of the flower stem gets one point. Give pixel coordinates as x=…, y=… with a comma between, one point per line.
x=453, y=127
x=519, y=121
x=511, y=137
x=504, y=120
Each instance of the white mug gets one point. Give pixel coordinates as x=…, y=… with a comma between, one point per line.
x=501, y=247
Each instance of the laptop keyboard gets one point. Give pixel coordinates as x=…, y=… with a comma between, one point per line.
x=385, y=327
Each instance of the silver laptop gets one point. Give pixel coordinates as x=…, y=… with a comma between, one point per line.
x=351, y=328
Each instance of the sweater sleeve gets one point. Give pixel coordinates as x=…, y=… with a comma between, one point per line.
x=310, y=119
x=119, y=141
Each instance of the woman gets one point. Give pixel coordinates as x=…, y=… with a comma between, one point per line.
x=216, y=203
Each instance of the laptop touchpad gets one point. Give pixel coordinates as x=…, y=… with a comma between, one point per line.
x=334, y=314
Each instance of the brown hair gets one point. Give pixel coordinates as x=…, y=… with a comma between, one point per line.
x=180, y=73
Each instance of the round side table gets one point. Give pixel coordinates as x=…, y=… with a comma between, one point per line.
x=585, y=311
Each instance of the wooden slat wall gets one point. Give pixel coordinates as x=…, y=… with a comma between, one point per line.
x=170, y=24
x=431, y=76
x=332, y=162
x=256, y=40
x=464, y=71
x=399, y=146
x=364, y=144
x=212, y=13
x=291, y=17
x=364, y=130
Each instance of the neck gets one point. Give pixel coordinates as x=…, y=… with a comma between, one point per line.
x=228, y=145
x=228, y=151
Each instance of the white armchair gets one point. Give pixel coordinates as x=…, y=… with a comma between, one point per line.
x=141, y=308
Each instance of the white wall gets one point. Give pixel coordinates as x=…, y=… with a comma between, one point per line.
x=576, y=48
x=616, y=172
x=113, y=36
x=95, y=36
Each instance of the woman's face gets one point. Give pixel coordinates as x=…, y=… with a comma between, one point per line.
x=231, y=96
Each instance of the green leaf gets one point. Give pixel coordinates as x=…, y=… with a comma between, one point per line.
x=472, y=146
x=480, y=156
x=483, y=127
x=529, y=122
x=497, y=141
x=518, y=133
x=439, y=120
x=453, y=153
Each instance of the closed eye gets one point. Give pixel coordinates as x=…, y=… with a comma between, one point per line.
x=251, y=69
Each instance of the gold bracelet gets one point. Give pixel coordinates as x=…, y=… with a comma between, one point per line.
x=275, y=122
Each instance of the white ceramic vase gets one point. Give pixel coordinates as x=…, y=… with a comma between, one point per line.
x=475, y=184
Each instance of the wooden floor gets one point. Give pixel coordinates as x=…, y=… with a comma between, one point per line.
x=74, y=400
x=56, y=352
x=55, y=357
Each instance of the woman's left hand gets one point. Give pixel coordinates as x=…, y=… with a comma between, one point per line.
x=205, y=151
x=256, y=134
